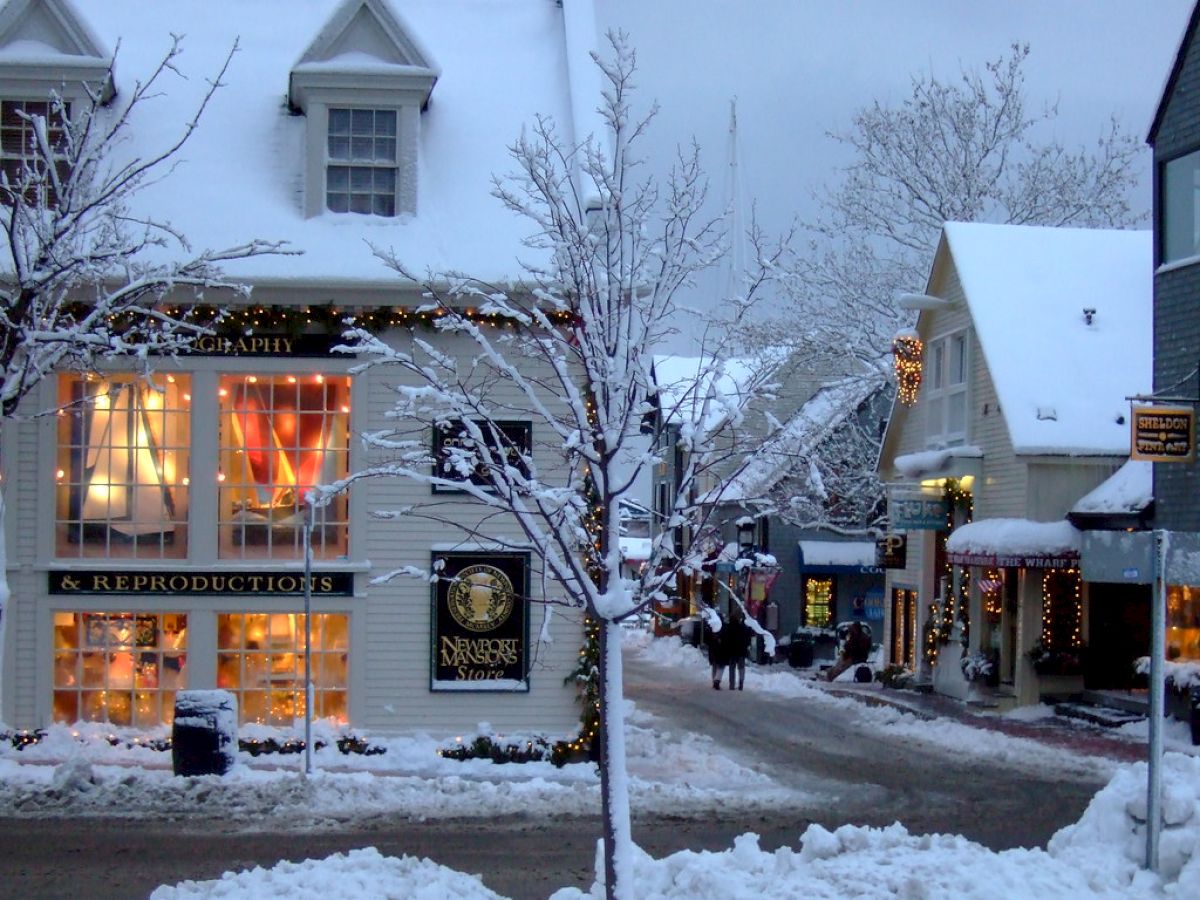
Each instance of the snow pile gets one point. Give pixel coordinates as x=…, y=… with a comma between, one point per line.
x=359, y=873
x=1100, y=856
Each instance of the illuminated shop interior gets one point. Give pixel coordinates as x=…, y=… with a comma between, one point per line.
x=119, y=668
x=122, y=467
x=279, y=436
x=260, y=658
x=818, y=602
x=1183, y=623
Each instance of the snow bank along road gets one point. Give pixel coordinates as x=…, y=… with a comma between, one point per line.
x=822, y=759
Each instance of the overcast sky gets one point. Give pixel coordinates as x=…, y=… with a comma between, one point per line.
x=801, y=68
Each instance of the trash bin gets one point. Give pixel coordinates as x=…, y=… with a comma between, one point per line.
x=800, y=651
x=1195, y=717
x=204, y=733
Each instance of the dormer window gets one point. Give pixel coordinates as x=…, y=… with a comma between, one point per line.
x=362, y=85
x=361, y=173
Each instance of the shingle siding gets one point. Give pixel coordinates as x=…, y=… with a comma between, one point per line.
x=1176, y=316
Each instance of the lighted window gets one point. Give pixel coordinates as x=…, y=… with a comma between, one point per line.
x=1179, y=208
x=280, y=435
x=21, y=161
x=818, y=602
x=1183, y=623
x=122, y=467
x=361, y=173
x=120, y=668
x=260, y=657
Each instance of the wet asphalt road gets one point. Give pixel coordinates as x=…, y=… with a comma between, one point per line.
x=847, y=774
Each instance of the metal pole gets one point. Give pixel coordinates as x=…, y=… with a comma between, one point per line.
x=308, y=685
x=1158, y=653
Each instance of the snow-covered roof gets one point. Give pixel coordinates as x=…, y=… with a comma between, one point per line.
x=1129, y=490
x=925, y=462
x=241, y=175
x=1061, y=379
x=816, y=420
x=635, y=549
x=685, y=381
x=838, y=553
x=1014, y=542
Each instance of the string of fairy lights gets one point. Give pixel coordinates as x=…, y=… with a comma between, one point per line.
x=960, y=503
x=1062, y=610
x=907, y=355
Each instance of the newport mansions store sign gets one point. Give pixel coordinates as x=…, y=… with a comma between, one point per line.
x=158, y=581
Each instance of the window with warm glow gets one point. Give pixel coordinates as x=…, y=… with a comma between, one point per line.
x=260, y=658
x=279, y=436
x=122, y=466
x=1183, y=623
x=120, y=668
x=818, y=602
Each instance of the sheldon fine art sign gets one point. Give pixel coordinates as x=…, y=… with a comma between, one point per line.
x=481, y=623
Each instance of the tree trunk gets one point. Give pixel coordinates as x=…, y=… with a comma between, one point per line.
x=4, y=595
x=614, y=779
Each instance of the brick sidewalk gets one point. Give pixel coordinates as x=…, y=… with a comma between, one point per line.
x=1054, y=731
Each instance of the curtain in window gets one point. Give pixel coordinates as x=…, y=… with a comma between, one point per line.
x=285, y=437
x=123, y=484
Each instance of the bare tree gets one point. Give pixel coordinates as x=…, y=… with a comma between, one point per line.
x=83, y=278
x=966, y=149
x=570, y=348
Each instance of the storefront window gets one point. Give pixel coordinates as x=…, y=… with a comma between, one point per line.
x=818, y=602
x=279, y=436
x=260, y=657
x=120, y=668
x=1183, y=623
x=122, y=466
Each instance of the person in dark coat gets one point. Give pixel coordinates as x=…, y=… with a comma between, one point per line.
x=737, y=636
x=855, y=650
x=715, y=642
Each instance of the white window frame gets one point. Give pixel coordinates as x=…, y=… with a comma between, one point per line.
x=363, y=164
x=945, y=388
x=1179, y=208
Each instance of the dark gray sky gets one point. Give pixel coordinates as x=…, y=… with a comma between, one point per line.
x=801, y=68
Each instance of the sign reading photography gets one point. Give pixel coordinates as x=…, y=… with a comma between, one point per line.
x=1164, y=433
x=159, y=581
x=481, y=623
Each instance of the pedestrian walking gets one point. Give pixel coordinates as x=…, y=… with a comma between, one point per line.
x=714, y=641
x=737, y=637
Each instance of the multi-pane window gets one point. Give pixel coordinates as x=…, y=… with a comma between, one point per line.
x=280, y=435
x=1180, y=208
x=122, y=466
x=946, y=394
x=360, y=175
x=260, y=657
x=22, y=162
x=120, y=668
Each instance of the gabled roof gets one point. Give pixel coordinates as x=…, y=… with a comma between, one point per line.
x=1063, y=375
x=815, y=421
x=241, y=175
x=1189, y=34
x=38, y=28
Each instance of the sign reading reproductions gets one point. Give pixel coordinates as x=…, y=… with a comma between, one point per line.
x=176, y=582
x=480, y=622
x=1163, y=434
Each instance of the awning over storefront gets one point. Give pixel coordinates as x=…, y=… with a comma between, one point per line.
x=838, y=558
x=1015, y=543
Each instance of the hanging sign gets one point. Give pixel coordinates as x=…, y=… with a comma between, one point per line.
x=1163, y=434
x=481, y=623
x=891, y=551
x=916, y=511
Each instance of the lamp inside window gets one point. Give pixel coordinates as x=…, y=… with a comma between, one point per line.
x=122, y=466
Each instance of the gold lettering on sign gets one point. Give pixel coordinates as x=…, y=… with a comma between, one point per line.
x=490, y=652
x=249, y=345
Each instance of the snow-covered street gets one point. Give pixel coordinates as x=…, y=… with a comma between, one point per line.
x=671, y=772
